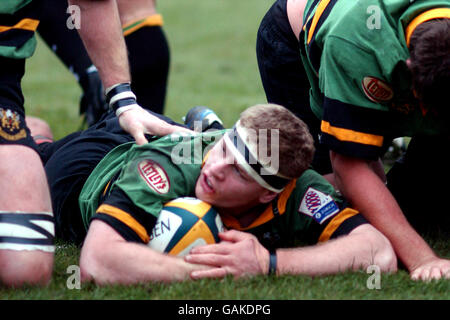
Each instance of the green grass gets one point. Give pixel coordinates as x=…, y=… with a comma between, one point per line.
x=213, y=63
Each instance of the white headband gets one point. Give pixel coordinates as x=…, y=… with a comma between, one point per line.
x=243, y=145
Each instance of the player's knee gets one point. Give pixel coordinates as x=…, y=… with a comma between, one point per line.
x=18, y=268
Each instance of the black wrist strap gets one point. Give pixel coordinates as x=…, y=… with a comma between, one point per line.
x=123, y=87
x=272, y=262
x=120, y=96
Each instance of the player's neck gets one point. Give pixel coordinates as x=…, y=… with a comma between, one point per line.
x=245, y=216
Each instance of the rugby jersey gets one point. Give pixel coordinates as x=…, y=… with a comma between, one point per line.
x=19, y=20
x=355, y=53
x=130, y=186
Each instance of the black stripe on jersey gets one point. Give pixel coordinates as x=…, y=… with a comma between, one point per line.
x=315, y=229
x=31, y=11
x=348, y=225
x=314, y=51
x=351, y=149
x=120, y=227
x=358, y=119
x=15, y=37
x=117, y=198
x=309, y=13
x=108, y=187
x=311, y=9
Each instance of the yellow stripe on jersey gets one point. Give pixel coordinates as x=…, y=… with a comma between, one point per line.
x=232, y=223
x=106, y=188
x=126, y=218
x=320, y=9
x=336, y=222
x=151, y=21
x=423, y=17
x=24, y=24
x=351, y=135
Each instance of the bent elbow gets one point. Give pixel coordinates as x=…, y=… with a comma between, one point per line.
x=90, y=267
x=385, y=256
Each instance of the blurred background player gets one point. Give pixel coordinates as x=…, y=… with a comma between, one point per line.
x=148, y=54
x=26, y=219
x=361, y=73
x=25, y=258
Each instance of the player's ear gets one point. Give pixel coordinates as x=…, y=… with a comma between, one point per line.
x=267, y=196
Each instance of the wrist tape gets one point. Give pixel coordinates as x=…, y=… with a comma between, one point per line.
x=120, y=98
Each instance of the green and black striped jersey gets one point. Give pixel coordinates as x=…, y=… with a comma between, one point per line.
x=130, y=186
x=19, y=20
x=355, y=53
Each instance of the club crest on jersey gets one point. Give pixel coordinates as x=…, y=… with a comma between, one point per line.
x=318, y=205
x=154, y=175
x=377, y=90
x=11, y=126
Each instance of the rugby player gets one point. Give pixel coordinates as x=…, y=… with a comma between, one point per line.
x=26, y=218
x=361, y=73
x=148, y=54
x=103, y=200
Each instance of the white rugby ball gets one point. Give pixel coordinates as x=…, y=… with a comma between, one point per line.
x=183, y=224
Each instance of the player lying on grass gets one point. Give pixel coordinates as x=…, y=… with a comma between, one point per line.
x=103, y=196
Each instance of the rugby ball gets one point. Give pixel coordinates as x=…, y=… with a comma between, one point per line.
x=183, y=224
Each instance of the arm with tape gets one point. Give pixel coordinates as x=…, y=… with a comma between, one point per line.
x=133, y=118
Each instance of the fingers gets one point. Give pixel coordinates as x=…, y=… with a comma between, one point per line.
x=211, y=273
x=428, y=273
x=139, y=137
x=210, y=259
x=217, y=248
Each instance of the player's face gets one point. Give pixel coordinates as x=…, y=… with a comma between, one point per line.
x=225, y=184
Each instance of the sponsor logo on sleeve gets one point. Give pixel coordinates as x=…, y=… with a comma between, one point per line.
x=377, y=90
x=154, y=175
x=318, y=205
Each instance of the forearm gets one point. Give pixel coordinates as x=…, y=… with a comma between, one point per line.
x=130, y=263
x=363, y=247
x=102, y=36
x=107, y=258
x=367, y=193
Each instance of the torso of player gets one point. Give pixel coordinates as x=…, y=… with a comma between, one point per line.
x=295, y=9
x=136, y=9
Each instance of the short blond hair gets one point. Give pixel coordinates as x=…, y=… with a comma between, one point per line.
x=296, y=145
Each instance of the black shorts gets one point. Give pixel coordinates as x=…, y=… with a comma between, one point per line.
x=13, y=129
x=69, y=162
x=149, y=58
x=283, y=76
x=418, y=182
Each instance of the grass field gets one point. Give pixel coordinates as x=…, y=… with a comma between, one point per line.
x=213, y=63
